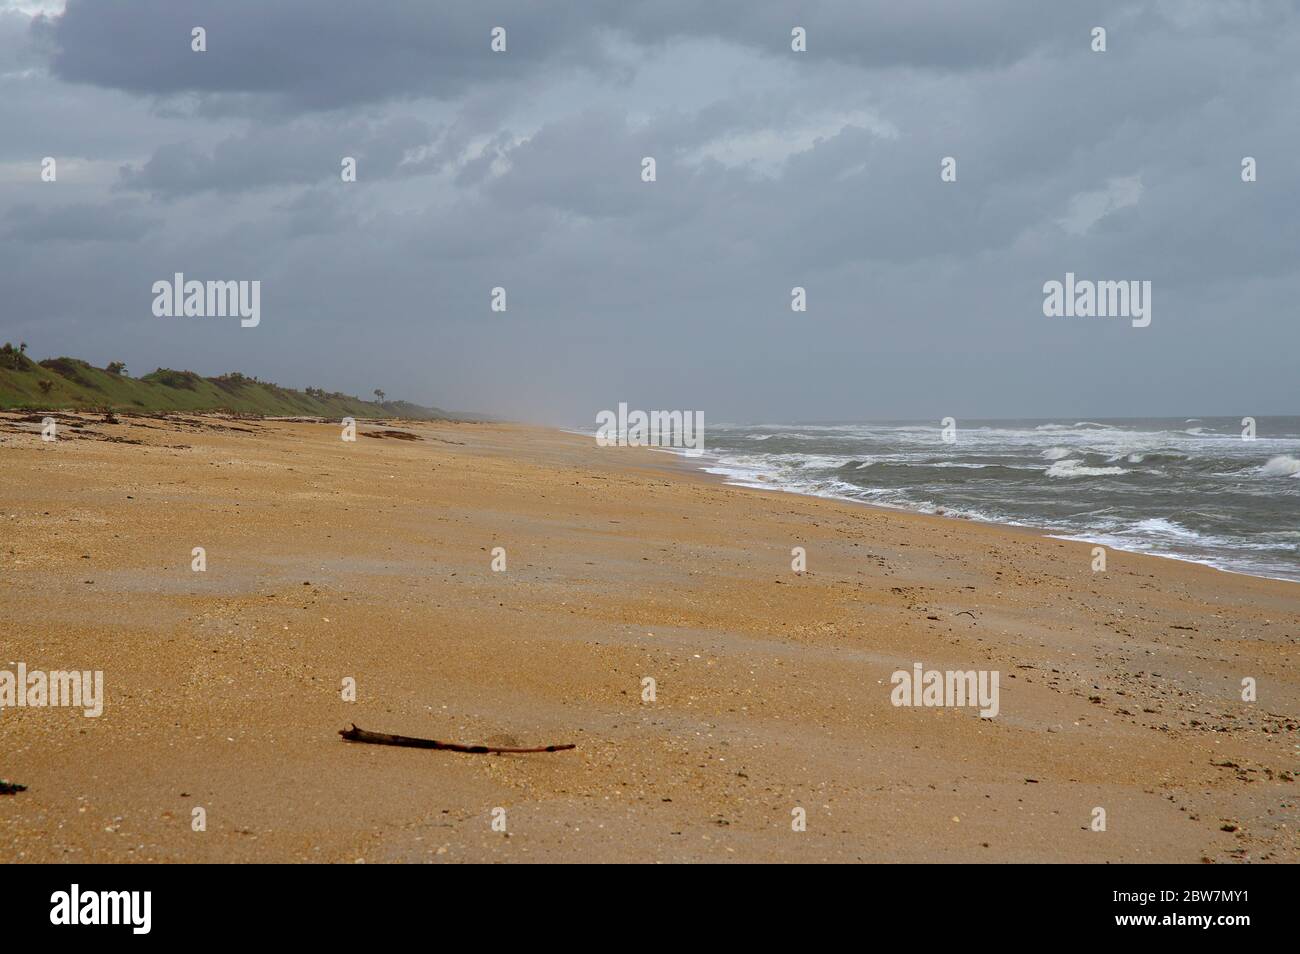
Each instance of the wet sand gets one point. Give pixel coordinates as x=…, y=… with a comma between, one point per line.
x=372, y=560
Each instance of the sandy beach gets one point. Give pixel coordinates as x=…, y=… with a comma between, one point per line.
x=372, y=560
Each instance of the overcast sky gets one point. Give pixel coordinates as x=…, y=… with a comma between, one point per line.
x=775, y=168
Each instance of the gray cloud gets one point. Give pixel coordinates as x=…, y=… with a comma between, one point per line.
x=775, y=169
x=319, y=55
x=290, y=154
x=77, y=222
x=312, y=55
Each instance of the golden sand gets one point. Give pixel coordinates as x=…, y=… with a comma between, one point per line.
x=371, y=560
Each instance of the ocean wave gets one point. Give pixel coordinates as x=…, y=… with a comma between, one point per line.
x=1163, y=527
x=1151, y=485
x=1076, y=426
x=1075, y=468
x=1283, y=465
x=1137, y=457
x=966, y=465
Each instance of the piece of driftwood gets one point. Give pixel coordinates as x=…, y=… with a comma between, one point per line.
x=10, y=788
x=383, y=738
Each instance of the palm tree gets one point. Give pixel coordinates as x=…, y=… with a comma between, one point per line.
x=380, y=395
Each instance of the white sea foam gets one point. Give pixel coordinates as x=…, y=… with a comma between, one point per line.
x=1161, y=527
x=1281, y=466
x=1075, y=468
x=1193, y=474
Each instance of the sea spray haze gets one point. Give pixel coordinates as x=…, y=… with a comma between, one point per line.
x=1198, y=489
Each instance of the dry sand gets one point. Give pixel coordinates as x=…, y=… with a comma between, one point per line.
x=371, y=560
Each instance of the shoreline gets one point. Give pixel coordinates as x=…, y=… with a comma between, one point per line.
x=1048, y=532
x=372, y=561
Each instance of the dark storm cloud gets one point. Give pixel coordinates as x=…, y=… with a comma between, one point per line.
x=317, y=56
x=313, y=55
x=774, y=169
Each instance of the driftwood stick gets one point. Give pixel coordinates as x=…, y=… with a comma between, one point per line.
x=383, y=738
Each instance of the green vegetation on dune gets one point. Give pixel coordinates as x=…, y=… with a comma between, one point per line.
x=72, y=384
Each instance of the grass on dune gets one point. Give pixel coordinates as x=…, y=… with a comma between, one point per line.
x=73, y=384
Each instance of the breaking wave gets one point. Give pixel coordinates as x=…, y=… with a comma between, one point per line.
x=1184, y=487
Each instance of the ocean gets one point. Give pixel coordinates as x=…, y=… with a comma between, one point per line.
x=1189, y=488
